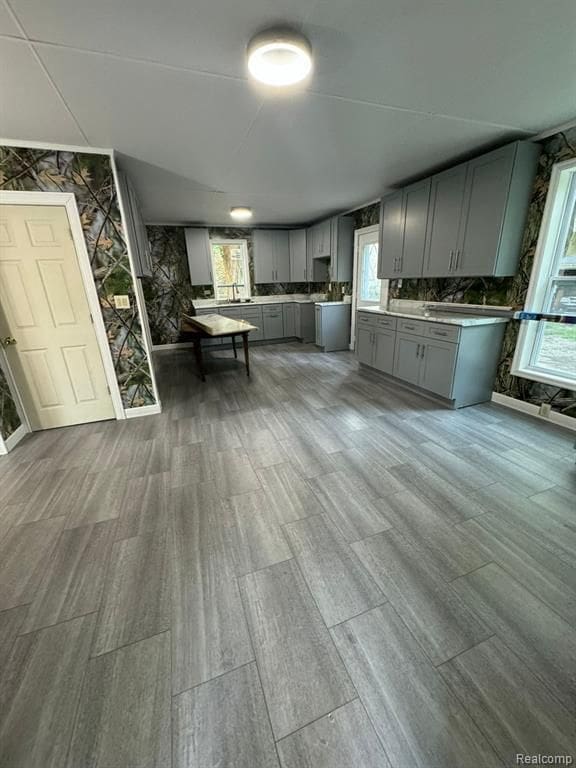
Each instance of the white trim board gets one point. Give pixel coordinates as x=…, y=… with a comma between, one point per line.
x=140, y=303
x=27, y=144
x=143, y=410
x=12, y=440
x=68, y=201
x=176, y=345
x=559, y=419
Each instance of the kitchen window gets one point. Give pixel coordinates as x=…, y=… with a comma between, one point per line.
x=546, y=351
x=230, y=269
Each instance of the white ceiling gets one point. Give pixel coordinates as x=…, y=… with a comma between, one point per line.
x=399, y=88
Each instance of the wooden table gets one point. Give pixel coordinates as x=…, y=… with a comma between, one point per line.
x=217, y=326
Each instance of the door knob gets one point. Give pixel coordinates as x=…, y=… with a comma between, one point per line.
x=8, y=341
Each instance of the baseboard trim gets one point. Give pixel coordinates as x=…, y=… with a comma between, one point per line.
x=8, y=443
x=143, y=410
x=531, y=409
x=176, y=345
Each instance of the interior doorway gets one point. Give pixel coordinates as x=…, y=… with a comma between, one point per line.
x=48, y=330
x=368, y=290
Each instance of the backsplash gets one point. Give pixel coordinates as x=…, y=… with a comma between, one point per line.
x=507, y=291
x=168, y=292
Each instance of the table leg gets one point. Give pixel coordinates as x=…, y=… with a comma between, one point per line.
x=246, y=356
x=199, y=358
x=234, y=346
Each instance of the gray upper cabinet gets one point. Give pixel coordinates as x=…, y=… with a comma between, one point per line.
x=415, y=201
x=391, y=236
x=341, y=248
x=467, y=221
x=271, y=255
x=199, y=260
x=298, y=256
x=446, y=198
x=496, y=200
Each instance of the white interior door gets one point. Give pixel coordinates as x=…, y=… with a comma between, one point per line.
x=45, y=322
x=368, y=291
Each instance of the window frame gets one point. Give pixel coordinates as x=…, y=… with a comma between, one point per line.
x=541, y=278
x=243, y=243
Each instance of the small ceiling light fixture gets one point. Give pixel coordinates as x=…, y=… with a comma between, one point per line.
x=279, y=57
x=241, y=213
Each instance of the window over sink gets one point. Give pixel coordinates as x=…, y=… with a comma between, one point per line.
x=230, y=268
x=546, y=351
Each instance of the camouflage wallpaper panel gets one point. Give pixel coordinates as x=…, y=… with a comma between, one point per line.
x=507, y=291
x=168, y=292
x=89, y=177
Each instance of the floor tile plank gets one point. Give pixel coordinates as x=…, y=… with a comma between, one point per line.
x=302, y=675
x=419, y=720
x=224, y=723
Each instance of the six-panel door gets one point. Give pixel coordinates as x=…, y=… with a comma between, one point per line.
x=55, y=359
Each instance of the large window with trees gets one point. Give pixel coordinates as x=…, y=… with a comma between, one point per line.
x=546, y=351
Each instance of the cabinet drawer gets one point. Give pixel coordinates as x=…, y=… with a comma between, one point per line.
x=272, y=309
x=419, y=327
x=366, y=320
x=445, y=332
x=389, y=323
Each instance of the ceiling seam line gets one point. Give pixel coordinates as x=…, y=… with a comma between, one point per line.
x=44, y=69
x=222, y=76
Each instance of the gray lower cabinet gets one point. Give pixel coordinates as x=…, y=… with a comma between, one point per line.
x=273, y=321
x=384, y=346
x=333, y=326
x=456, y=363
x=289, y=314
x=305, y=322
x=251, y=314
x=365, y=346
x=209, y=342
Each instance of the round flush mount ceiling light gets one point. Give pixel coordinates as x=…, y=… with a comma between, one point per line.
x=241, y=213
x=279, y=57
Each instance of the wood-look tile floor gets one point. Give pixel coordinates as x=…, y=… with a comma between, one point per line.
x=308, y=569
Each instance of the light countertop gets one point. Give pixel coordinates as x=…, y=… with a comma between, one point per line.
x=461, y=315
x=294, y=298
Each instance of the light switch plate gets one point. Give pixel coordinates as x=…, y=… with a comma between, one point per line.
x=122, y=302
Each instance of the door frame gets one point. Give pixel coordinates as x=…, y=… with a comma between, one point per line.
x=373, y=228
x=68, y=201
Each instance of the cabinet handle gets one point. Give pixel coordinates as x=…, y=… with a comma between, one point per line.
x=423, y=349
x=409, y=327
x=439, y=333
x=457, y=259
x=418, y=351
x=451, y=260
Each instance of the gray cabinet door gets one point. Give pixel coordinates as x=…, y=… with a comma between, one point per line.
x=438, y=364
x=273, y=324
x=199, y=258
x=446, y=198
x=407, y=358
x=307, y=322
x=384, y=345
x=364, y=346
x=391, y=236
x=298, y=256
x=289, y=313
x=414, y=218
x=264, y=261
x=487, y=187
x=324, y=241
x=281, y=256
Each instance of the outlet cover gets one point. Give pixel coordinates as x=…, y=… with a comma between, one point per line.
x=122, y=302
x=545, y=409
